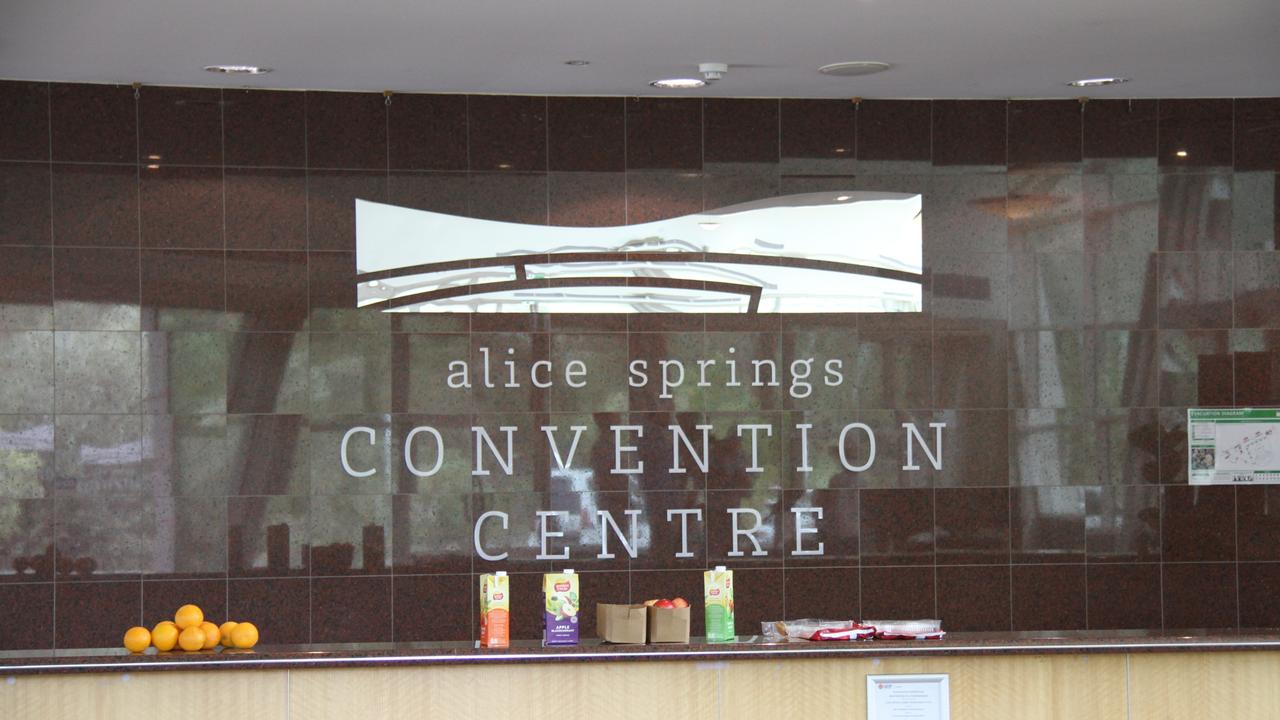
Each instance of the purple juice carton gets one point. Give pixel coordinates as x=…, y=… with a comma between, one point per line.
x=560, y=613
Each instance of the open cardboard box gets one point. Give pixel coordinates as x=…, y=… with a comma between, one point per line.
x=621, y=623
x=668, y=625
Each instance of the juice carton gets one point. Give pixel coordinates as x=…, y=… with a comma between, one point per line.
x=717, y=588
x=495, y=610
x=560, y=614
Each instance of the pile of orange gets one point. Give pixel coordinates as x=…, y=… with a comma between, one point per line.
x=190, y=631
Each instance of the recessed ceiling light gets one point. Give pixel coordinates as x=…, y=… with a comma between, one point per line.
x=842, y=150
x=153, y=157
x=237, y=69
x=678, y=83
x=841, y=198
x=1181, y=153
x=709, y=225
x=854, y=68
x=577, y=63
x=1098, y=82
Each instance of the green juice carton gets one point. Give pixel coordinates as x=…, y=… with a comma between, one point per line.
x=717, y=597
x=560, y=612
x=495, y=610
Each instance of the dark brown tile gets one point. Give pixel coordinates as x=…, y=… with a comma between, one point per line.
x=266, y=209
x=26, y=297
x=1259, y=584
x=588, y=199
x=1123, y=523
x=1199, y=595
x=331, y=208
x=433, y=533
x=757, y=597
x=896, y=527
x=1045, y=132
x=1048, y=369
x=1045, y=212
x=265, y=127
x=1258, y=529
x=1173, y=445
x=200, y=359
x=95, y=289
x=740, y=130
x=435, y=608
x=891, y=593
x=601, y=587
x=664, y=134
x=972, y=526
x=818, y=136
x=267, y=290
x=739, y=183
x=29, y=555
x=162, y=598
x=29, y=355
x=1048, y=291
x=1195, y=134
x=1257, y=377
x=268, y=536
x=508, y=197
x=1123, y=597
x=1120, y=129
x=183, y=289
x=527, y=605
x=30, y=619
x=25, y=214
x=756, y=543
x=969, y=370
x=1195, y=212
x=822, y=593
x=678, y=542
x=25, y=135
x=977, y=447
x=284, y=471
x=350, y=534
x=1048, y=524
x=186, y=456
x=95, y=205
x=180, y=125
x=348, y=610
x=346, y=130
x=1195, y=290
x=970, y=291
x=895, y=130
x=974, y=598
x=1048, y=597
x=1257, y=290
x=31, y=462
x=434, y=191
x=507, y=132
x=95, y=615
x=1121, y=291
x=821, y=527
x=1257, y=146
x=427, y=132
x=969, y=132
x=279, y=608
x=332, y=290
x=1198, y=523
x=93, y=123
x=267, y=373
x=1195, y=369
x=586, y=134
x=658, y=196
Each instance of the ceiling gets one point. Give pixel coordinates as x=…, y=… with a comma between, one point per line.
x=939, y=48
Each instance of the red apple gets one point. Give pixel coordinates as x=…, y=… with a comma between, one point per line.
x=680, y=603
x=664, y=604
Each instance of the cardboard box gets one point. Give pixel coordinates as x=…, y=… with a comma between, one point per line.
x=621, y=623
x=668, y=625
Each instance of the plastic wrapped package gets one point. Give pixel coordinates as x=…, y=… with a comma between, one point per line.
x=907, y=629
x=813, y=629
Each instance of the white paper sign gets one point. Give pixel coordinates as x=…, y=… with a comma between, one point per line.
x=908, y=697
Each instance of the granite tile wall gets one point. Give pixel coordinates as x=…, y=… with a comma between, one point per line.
x=180, y=356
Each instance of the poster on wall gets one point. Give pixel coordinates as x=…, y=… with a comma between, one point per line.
x=1233, y=446
x=909, y=697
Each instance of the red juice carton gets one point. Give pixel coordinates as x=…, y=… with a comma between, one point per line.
x=560, y=614
x=495, y=610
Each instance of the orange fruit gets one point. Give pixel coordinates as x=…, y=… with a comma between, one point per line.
x=211, y=634
x=188, y=616
x=244, y=635
x=225, y=632
x=191, y=639
x=164, y=636
x=137, y=639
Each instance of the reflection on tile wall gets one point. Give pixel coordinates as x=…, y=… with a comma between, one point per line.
x=180, y=358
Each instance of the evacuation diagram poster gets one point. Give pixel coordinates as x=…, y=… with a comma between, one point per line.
x=1225, y=446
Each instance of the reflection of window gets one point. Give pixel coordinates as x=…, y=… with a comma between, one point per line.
x=819, y=252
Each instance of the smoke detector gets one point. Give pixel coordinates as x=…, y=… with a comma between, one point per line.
x=712, y=71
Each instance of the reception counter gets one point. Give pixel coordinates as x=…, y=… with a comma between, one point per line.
x=1129, y=675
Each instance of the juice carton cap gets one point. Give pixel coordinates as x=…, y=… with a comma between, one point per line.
x=721, y=568
x=568, y=571
x=500, y=573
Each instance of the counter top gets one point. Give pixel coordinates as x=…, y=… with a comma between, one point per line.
x=747, y=648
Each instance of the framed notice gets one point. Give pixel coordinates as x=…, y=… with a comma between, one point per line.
x=1226, y=447
x=908, y=697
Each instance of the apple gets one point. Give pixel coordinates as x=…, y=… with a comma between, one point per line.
x=680, y=603
x=664, y=604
